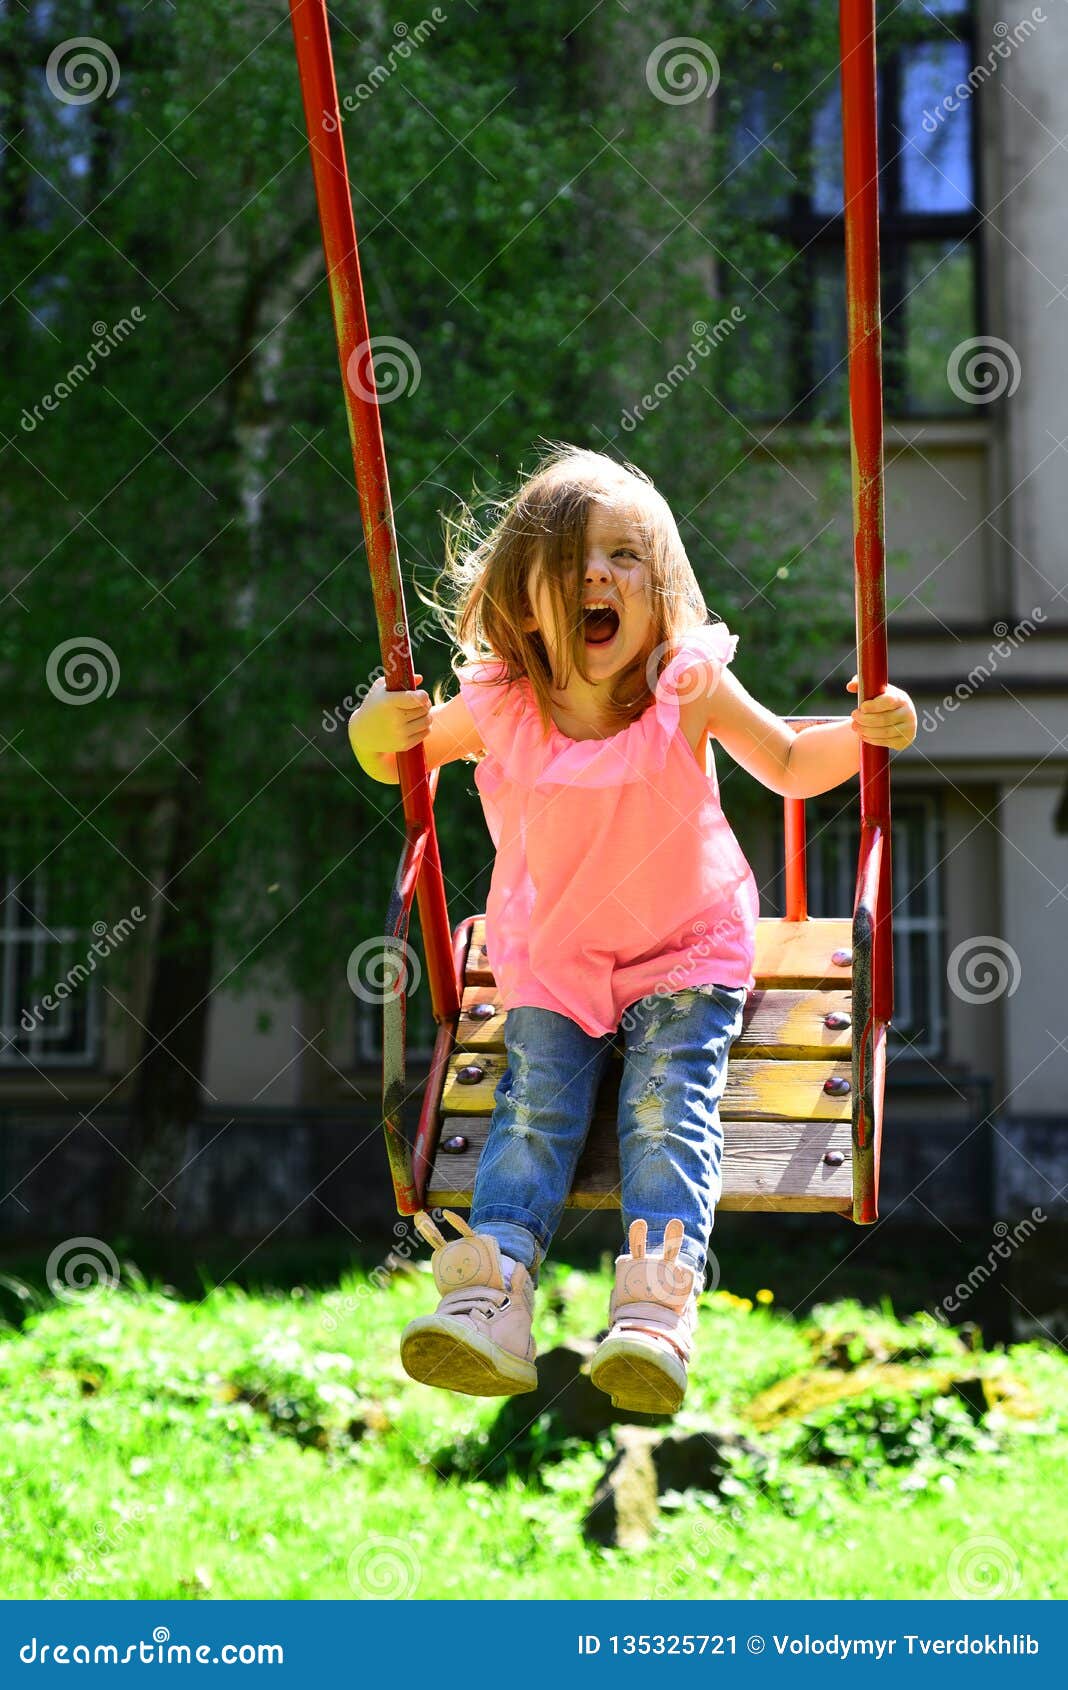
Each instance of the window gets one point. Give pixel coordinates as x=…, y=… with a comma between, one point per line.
x=49, y=1008
x=833, y=836
x=785, y=162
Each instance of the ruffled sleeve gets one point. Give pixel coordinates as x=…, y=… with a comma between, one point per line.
x=694, y=671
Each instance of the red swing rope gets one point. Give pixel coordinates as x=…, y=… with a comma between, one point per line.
x=873, y=965
x=419, y=874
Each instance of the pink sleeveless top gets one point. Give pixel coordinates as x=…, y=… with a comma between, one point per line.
x=617, y=875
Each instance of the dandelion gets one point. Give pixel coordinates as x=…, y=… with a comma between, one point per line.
x=727, y=1300
x=765, y=1297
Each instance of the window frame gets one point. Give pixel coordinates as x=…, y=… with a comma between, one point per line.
x=22, y=1050
x=823, y=817
x=814, y=234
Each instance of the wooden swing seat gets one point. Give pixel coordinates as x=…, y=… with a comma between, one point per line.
x=787, y=1139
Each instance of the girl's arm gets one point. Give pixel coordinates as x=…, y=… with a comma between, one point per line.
x=388, y=722
x=812, y=760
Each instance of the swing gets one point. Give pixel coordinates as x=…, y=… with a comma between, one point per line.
x=803, y=1105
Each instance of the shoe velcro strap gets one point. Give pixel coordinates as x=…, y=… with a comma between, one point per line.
x=485, y=1299
x=657, y=1321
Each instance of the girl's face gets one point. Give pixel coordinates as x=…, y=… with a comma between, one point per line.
x=616, y=578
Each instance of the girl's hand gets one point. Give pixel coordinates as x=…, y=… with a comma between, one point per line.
x=388, y=722
x=887, y=719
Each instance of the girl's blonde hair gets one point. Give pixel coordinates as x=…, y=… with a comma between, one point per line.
x=542, y=525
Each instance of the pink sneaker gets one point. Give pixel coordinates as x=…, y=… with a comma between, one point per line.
x=642, y=1364
x=478, y=1340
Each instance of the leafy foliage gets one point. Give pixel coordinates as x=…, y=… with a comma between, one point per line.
x=541, y=231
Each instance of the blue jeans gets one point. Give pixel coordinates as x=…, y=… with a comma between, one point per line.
x=675, y=1047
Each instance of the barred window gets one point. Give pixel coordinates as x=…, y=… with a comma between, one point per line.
x=49, y=1008
x=786, y=160
x=833, y=839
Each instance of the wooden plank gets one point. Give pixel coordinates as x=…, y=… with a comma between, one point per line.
x=768, y=1090
x=778, y=1024
x=798, y=953
x=767, y=1166
x=793, y=954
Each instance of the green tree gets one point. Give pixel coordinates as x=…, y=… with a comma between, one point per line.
x=182, y=493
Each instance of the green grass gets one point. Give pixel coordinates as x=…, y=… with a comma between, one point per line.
x=169, y=1448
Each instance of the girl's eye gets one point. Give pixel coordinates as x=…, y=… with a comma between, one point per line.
x=625, y=551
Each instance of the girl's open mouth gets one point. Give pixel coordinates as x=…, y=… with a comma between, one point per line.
x=601, y=625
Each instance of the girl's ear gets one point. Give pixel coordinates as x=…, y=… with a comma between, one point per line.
x=673, y=1236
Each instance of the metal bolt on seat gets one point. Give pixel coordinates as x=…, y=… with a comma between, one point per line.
x=470, y=1074
x=836, y=1085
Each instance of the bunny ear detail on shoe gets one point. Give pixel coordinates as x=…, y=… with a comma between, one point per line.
x=459, y=1223
x=639, y=1231
x=433, y=1235
x=673, y=1236
x=426, y=1229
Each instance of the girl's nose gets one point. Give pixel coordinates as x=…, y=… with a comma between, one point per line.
x=597, y=570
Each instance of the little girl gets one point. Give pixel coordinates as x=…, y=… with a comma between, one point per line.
x=620, y=907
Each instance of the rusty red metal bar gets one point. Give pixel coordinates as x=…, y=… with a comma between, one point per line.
x=794, y=842
x=796, y=866
x=861, y=191
x=322, y=116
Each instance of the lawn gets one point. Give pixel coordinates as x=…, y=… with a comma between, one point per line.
x=252, y=1443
